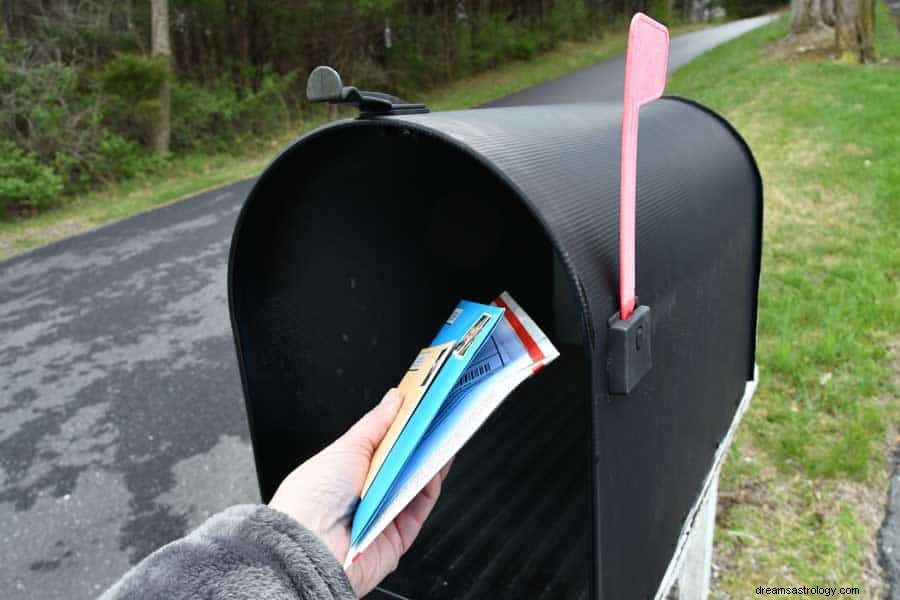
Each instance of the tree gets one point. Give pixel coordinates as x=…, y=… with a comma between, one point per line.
x=811, y=14
x=853, y=22
x=854, y=29
x=162, y=48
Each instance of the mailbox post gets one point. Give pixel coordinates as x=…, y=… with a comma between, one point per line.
x=365, y=233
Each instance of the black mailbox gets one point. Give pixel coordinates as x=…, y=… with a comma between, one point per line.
x=362, y=236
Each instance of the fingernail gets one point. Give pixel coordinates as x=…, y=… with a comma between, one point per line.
x=391, y=397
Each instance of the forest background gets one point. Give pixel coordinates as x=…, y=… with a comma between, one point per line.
x=100, y=91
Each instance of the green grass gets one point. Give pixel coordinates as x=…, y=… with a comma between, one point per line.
x=803, y=487
x=886, y=34
x=520, y=75
x=191, y=175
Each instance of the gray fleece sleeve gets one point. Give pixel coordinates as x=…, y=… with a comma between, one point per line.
x=249, y=551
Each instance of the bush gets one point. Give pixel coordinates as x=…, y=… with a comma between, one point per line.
x=213, y=116
x=524, y=45
x=131, y=84
x=739, y=9
x=570, y=19
x=24, y=181
x=492, y=40
x=118, y=158
x=661, y=11
x=51, y=113
x=266, y=108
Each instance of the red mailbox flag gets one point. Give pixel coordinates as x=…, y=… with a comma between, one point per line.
x=645, y=80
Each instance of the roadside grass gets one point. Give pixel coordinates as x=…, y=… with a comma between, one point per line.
x=803, y=489
x=487, y=86
x=192, y=174
x=886, y=34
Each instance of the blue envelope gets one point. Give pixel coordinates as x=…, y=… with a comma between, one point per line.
x=468, y=327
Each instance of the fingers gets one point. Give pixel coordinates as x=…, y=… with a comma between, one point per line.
x=424, y=502
x=409, y=522
x=446, y=469
x=382, y=557
x=372, y=566
x=368, y=432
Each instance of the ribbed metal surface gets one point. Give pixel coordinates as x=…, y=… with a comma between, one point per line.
x=514, y=517
x=565, y=161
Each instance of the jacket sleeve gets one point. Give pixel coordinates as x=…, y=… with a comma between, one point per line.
x=249, y=551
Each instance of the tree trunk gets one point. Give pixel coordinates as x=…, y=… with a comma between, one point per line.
x=162, y=47
x=811, y=14
x=7, y=19
x=854, y=30
x=685, y=9
x=828, y=12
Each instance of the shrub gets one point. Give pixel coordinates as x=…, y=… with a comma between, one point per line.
x=134, y=77
x=661, y=10
x=118, y=158
x=212, y=116
x=524, y=45
x=51, y=113
x=266, y=108
x=492, y=40
x=131, y=84
x=24, y=181
x=42, y=106
x=739, y=9
x=570, y=19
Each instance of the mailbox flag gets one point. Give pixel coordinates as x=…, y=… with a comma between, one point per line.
x=645, y=79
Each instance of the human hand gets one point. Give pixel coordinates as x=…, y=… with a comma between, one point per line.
x=322, y=494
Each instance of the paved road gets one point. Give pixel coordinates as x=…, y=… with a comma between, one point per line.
x=603, y=82
x=121, y=416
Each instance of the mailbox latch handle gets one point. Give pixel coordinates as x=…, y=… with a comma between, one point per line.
x=325, y=85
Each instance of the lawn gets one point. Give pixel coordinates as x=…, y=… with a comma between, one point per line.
x=803, y=488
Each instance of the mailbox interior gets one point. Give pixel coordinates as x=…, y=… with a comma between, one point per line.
x=362, y=241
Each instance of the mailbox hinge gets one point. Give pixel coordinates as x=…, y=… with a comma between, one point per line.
x=325, y=85
x=628, y=350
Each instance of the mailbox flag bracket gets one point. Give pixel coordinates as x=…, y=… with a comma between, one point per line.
x=646, y=62
x=628, y=350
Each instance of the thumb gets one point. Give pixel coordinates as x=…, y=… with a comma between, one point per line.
x=367, y=433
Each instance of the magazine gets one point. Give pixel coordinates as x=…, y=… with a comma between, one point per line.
x=480, y=355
